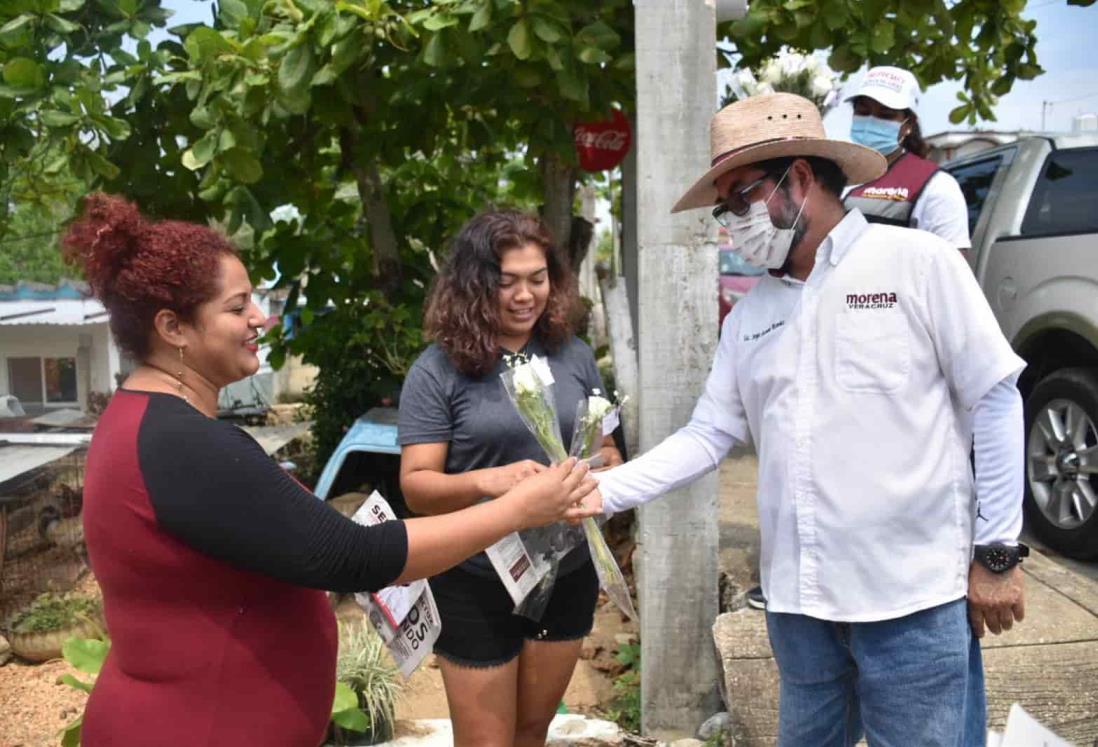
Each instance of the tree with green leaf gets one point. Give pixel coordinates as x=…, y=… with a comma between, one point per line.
x=384, y=124
x=987, y=44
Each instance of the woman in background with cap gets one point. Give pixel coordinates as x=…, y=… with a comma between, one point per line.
x=914, y=192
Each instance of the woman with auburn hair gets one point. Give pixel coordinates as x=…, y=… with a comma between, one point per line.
x=504, y=290
x=211, y=559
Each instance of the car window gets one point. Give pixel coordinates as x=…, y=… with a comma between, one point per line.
x=1065, y=195
x=975, y=179
x=731, y=263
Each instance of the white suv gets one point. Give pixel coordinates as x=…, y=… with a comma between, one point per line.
x=1033, y=216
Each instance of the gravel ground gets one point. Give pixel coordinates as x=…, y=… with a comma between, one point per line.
x=34, y=707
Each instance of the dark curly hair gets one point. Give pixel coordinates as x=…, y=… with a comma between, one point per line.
x=137, y=267
x=463, y=308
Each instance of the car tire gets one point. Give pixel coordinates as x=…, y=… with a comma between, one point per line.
x=1061, y=462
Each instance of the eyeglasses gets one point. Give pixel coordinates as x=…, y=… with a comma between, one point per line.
x=736, y=203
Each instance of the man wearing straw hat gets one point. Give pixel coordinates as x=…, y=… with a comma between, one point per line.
x=855, y=366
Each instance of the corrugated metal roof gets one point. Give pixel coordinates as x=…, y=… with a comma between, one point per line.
x=16, y=459
x=59, y=312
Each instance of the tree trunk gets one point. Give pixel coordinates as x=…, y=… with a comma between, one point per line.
x=382, y=237
x=375, y=210
x=558, y=181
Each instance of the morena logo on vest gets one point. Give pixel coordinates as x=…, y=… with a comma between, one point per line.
x=899, y=194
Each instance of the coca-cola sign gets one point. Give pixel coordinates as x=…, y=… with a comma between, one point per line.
x=602, y=145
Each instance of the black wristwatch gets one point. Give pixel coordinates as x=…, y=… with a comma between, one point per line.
x=999, y=558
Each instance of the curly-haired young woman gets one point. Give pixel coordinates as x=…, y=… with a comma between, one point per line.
x=505, y=289
x=209, y=556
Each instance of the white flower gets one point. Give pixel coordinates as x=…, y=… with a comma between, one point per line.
x=811, y=64
x=821, y=86
x=597, y=406
x=745, y=79
x=525, y=379
x=765, y=88
x=770, y=74
x=790, y=63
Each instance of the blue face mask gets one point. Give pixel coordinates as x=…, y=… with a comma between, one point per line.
x=882, y=135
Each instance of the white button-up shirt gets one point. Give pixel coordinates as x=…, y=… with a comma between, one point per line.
x=854, y=386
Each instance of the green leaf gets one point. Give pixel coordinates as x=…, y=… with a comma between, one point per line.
x=572, y=86
x=552, y=56
x=518, y=38
x=593, y=56
x=434, y=54
x=117, y=129
x=202, y=118
x=232, y=12
x=439, y=21
x=482, y=17
x=324, y=76
x=345, y=698
x=598, y=34
x=242, y=166
x=60, y=25
x=296, y=69
x=70, y=735
x=353, y=719
x=86, y=654
x=202, y=152
x=546, y=30
x=16, y=32
x=203, y=44
x=68, y=679
x=884, y=37
x=54, y=118
x=956, y=116
x=25, y=73
x=627, y=61
x=226, y=141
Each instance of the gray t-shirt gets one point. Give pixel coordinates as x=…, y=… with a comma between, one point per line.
x=440, y=404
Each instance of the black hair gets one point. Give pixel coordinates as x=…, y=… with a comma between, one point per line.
x=913, y=142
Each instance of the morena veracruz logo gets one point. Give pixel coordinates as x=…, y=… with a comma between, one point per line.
x=885, y=300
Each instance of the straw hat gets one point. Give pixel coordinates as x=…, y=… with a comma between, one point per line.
x=774, y=125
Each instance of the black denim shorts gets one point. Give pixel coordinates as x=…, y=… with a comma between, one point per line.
x=480, y=630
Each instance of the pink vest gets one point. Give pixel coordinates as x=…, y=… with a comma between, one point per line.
x=891, y=198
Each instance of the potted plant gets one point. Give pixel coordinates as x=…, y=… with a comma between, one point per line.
x=367, y=687
x=39, y=630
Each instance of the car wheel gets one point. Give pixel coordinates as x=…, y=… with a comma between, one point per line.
x=1061, y=496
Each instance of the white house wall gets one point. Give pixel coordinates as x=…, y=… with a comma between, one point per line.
x=57, y=341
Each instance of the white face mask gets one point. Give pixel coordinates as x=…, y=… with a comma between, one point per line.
x=757, y=239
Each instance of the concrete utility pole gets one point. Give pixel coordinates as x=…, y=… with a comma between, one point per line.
x=677, y=286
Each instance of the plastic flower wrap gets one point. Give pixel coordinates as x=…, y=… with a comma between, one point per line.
x=789, y=72
x=529, y=383
x=596, y=417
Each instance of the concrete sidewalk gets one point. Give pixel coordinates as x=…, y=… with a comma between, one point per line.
x=1048, y=663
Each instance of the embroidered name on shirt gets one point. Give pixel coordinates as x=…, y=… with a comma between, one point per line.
x=896, y=194
x=754, y=336
x=870, y=300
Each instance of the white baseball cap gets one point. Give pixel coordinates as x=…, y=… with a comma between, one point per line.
x=894, y=87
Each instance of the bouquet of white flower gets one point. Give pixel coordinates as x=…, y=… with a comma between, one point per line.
x=529, y=385
x=596, y=417
x=789, y=72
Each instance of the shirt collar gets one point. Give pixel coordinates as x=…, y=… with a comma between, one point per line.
x=843, y=236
